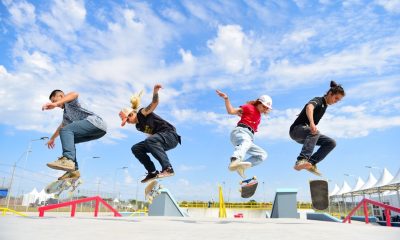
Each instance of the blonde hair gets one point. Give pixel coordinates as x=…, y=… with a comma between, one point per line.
x=135, y=100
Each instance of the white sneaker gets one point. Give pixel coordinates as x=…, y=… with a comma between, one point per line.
x=234, y=164
x=242, y=166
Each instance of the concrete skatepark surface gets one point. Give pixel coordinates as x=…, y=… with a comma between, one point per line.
x=84, y=226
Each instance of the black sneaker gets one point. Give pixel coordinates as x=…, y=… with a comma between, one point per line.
x=150, y=176
x=168, y=172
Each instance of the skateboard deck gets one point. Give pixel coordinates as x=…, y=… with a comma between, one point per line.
x=248, y=187
x=152, y=190
x=59, y=186
x=319, y=194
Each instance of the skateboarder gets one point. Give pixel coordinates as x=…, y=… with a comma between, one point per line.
x=162, y=136
x=78, y=125
x=242, y=136
x=304, y=130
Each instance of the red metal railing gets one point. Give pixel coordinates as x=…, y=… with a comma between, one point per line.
x=75, y=202
x=365, y=202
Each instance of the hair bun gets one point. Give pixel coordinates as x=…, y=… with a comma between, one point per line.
x=333, y=84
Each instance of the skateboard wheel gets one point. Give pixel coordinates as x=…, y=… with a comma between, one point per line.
x=255, y=177
x=160, y=186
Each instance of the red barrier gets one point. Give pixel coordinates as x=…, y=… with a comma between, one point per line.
x=75, y=202
x=365, y=202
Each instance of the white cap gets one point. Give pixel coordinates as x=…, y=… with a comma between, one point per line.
x=123, y=114
x=266, y=101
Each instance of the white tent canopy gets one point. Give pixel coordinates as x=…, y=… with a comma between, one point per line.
x=335, y=190
x=345, y=189
x=358, y=185
x=386, y=182
x=371, y=181
x=385, y=178
x=30, y=197
x=396, y=179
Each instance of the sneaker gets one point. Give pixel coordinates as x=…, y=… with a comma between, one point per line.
x=74, y=174
x=313, y=169
x=242, y=167
x=234, y=164
x=150, y=176
x=168, y=172
x=302, y=164
x=62, y=163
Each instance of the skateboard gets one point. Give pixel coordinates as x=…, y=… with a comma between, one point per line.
x=248, y=187
x=152, y=190
x=59, y=186
x=319, y=194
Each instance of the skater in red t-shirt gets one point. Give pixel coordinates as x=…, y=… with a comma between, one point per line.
x=242, y=136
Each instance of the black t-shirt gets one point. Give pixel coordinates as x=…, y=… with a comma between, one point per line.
x=320, y=107
x=152, y=123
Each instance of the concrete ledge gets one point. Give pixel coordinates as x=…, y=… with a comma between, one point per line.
x=322, y=217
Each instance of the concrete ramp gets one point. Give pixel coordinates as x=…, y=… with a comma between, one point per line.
x=285, y=204
x=165, y=205
x=322, y=217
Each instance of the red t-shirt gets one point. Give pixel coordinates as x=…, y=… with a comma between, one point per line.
x=250, y=116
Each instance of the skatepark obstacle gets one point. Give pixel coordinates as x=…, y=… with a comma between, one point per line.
x=364, y=203
x=76, y=202
x=285, y=204
x=5, y=210
x=165, y=205
x=222, y=209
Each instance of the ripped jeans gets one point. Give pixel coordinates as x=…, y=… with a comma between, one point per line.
x=243, y=139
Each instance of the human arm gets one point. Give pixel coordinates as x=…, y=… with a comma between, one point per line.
x=229, y=108
x=60, y=102
x=150, y=108
x=50, y=143
x=310, y=115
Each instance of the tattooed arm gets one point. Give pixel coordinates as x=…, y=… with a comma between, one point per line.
x=149, y=109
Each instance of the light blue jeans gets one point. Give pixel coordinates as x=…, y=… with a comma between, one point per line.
x=77, y=132
x=243, y=139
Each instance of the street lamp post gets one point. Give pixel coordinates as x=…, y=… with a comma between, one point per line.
x=29, y=149
x=115, y=176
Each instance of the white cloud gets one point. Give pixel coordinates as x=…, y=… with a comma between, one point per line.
x=350, y=62
x=22, y=13
x=300, y=36
x=173, y=15
x=375, y=88
x=65, y=18
x=392, y=6
x=232, y=48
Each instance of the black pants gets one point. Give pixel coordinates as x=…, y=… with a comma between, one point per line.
x=157, y=145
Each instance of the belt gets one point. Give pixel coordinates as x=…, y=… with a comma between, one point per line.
x=245, y=126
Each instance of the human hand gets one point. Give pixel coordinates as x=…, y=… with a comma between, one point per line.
x=50, y=144
x=49, y=106
x=221, y=94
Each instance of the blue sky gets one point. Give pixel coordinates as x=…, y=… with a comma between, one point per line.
x=290, y=50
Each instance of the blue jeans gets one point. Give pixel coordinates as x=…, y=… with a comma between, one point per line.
x=77, y=132
x=243, y=139
x=302, y=134
x=157, y=145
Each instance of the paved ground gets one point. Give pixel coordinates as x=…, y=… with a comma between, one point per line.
x=106, y=227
